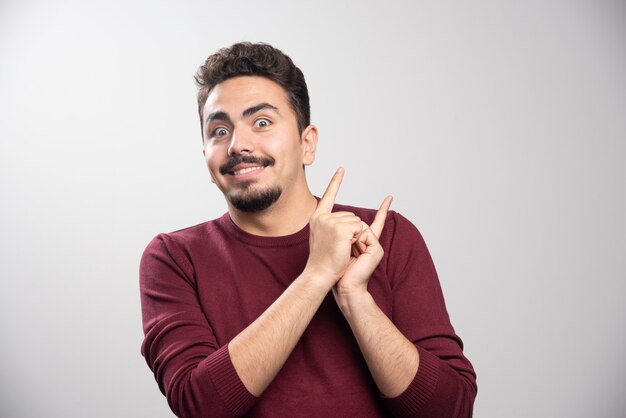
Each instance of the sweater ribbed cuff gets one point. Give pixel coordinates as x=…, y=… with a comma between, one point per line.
x=421, y=389
x=228, y=384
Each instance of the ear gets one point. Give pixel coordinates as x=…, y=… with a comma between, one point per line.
x=309, y=144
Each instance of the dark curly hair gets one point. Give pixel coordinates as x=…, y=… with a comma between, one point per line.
x=258, y=59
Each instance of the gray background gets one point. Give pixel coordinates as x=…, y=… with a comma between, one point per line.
x=499, y=127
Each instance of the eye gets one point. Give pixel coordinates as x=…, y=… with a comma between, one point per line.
x=219, y=132
x=262, y=123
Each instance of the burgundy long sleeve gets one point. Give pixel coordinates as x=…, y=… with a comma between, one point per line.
x=202, y=285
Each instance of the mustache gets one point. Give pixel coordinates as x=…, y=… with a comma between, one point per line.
x=228, y=166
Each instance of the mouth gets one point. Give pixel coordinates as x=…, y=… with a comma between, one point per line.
x=240, y=165
x=245, y=170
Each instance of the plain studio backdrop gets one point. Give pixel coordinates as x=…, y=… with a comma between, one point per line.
x=500, y=129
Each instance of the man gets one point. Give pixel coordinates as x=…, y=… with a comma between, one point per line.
x=290, y=305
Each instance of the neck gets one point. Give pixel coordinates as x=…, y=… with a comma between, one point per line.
x=284, y=217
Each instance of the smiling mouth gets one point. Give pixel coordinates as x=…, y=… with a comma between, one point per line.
x=243, y=164
x=246, y=170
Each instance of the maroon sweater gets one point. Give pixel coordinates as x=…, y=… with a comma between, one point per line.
x=202, y=285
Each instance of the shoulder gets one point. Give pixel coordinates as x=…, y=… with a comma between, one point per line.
x=400, y=238
x=394, y=222
x=181, y=250
x=186, y=240
x=367, y=215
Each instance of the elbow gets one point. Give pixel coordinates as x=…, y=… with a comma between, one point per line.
x=468, y=390
x=187, y=400
x=182, y=401
x=193, y=394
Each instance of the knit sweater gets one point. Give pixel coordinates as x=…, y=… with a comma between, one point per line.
x=202, y=285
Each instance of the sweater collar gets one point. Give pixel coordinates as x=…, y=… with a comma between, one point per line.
x=260, y=241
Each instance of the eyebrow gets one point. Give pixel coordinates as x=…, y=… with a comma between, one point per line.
x=252, y=110
x=219, y=115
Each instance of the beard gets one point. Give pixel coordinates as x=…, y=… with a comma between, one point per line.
x=254, y=200
x=248, y=199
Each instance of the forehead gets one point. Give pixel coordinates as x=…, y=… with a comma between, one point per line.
x=239, y=93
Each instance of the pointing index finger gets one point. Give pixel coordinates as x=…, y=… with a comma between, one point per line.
x=379, y=220
x=328, y=199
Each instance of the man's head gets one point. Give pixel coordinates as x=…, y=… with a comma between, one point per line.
x=248, y=59
x=254, y=111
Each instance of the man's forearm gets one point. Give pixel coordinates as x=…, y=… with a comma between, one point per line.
x=391, y=358
x=259, y=351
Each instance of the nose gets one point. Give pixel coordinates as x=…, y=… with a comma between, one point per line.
x=241, y=142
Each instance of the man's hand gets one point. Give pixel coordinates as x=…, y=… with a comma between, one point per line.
x=332, y=235
x=366, y=254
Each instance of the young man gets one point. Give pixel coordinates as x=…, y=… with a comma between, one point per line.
x=290, y=305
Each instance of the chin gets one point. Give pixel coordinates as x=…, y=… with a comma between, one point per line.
x=254, y=200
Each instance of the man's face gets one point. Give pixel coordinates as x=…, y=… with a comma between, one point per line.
x=252, y=146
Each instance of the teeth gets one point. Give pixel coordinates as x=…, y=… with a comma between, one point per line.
x=246, y=170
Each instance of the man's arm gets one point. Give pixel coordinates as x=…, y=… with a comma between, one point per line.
x=393, y=360
x=260, y=350
x=177, y=349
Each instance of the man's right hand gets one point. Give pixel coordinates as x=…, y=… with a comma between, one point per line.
x=331, y=235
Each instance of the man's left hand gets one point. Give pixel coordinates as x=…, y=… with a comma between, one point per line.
x=366, y=254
